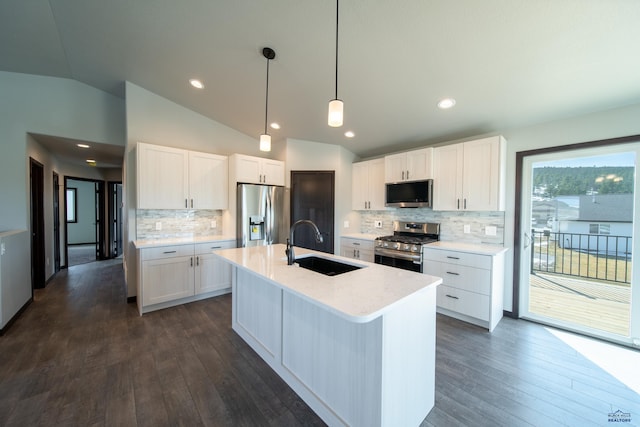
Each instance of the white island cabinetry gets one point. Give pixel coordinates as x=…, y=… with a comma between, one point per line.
x=472, y=281
x=359, y=351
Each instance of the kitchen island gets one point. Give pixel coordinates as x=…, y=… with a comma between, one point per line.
x=358, y=347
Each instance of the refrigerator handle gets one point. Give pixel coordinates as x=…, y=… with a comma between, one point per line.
x=267, y=219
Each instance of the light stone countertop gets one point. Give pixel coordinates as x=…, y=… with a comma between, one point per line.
x=361, y=236
x=152, y=243
x=358, y=296
x=479, y=249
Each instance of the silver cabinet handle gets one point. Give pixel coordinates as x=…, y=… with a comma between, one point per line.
x=465, y=204
x=403, y=175
x=192, y=203
x=407, y=174
x=191, y=261
x=216, y=247
x=452, y=257
x=197, y=260
x=169, y=252
x=186, y=203
x=452, y=273
x=452, y=297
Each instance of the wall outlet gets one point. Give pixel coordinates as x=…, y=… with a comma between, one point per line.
x=490, y=230
x=377, y=224
x=346, y=224
x=214, y=224
x=467, y=228
x=158, y=226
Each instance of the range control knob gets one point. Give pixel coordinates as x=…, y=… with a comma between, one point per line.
x=415, y=249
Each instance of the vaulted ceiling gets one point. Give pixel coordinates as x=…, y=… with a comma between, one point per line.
x=508, y=63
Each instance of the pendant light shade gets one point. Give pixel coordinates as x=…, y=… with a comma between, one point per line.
x=336, y=106
x=265, y=138
x=265, y=142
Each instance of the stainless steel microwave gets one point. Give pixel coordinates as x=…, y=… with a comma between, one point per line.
x=416, y=194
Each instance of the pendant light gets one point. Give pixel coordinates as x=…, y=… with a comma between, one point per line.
x=265, y=138
x=336, y=107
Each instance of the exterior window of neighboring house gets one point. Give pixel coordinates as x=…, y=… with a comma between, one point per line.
x=599, y=228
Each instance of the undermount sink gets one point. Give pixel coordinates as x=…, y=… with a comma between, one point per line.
x=325, y=266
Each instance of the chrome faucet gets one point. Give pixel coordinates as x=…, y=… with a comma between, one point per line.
x=291, y=257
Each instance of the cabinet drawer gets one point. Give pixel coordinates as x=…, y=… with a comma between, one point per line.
x=205, y=248
x=162, y=252
x=461, y=276
x=460, y=301
x=462, y=258
x=356, y=243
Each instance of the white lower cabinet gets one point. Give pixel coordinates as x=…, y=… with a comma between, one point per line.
x=357, y=248
x=178, y=274
x=472, y=285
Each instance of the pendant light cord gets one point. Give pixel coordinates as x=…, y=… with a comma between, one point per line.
x=337, y=17
x=266, y=102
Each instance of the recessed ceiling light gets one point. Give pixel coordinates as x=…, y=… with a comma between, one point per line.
x=349, y=134
x=82, y=145
x=196, y=83
x=274, y=125
x=446, y=103
x=90, y=161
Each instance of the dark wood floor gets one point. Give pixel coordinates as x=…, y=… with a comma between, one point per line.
x=81, y=356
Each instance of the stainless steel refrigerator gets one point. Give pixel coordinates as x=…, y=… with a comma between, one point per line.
x=262, y=216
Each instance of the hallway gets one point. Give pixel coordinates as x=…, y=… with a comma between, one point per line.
x=80, y=356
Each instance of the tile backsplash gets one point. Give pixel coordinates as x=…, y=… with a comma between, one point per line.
x=177, y=223
x=451, y=223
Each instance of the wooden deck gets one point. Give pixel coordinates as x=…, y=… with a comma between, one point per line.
x=598, y=305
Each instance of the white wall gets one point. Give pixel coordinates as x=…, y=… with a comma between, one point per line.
x=49, y=106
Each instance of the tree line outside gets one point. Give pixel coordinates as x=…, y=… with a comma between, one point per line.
x=551, y=182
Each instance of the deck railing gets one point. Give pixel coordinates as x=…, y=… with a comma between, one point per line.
x=593, y=256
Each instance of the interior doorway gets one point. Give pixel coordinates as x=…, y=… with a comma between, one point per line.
x=84, y=218
x=312, y=197
x=56, y=222
x=115, y=218
x=577, y=224
x=38, y=261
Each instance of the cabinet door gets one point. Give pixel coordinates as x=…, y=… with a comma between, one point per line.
x=247, y=169
x=272, y=172
x=212, y=273
x=359, y=186
x=167, y=279
x=163, y=179
x=208, y=181
x=419, y=164
x=447, y=178
x=481, y=179
x=395, y=167
x=376, y=184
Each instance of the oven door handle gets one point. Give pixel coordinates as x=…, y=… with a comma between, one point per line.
x=395, y=254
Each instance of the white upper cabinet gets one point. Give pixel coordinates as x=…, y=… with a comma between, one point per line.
x=208, y=181
x=470, y=176
x=410, y=166
x=172, y=178
x=257, y=170
x=367, y=190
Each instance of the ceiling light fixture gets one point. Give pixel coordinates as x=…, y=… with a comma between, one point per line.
x=274, y=125
x=196, y=83
x=265, y=138
x=82, y=145
x=446, y=103
x=349, y=134
x=336, y=106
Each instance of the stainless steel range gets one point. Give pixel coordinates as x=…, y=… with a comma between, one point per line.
x=403, y=249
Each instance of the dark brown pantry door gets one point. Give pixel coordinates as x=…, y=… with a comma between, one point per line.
x=312, y=197
x=37, y=225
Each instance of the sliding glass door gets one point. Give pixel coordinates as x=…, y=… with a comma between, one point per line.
x=579, y=220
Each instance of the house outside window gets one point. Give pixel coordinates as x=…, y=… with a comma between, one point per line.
x=599, y=228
